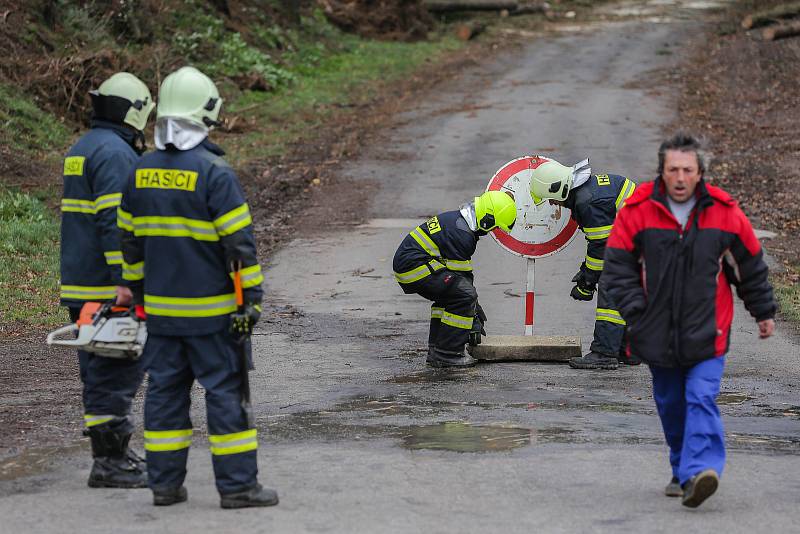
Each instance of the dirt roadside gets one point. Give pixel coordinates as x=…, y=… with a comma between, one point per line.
x=40, y=389
x=741, y=94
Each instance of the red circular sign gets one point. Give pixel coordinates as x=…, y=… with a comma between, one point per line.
x=514, y=176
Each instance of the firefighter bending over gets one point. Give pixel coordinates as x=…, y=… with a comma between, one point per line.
x=434, y=261
x=594, y=200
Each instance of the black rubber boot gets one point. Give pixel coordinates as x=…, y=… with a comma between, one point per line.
x=255, y=496
x=699, y=488
x=110, y=472
x=674, y=488
x=594, y=360
x=440, y=358
x=168, y=497
x=624, y=359
x=112, y=467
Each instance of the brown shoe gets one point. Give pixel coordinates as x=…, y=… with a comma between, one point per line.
x=699, y=488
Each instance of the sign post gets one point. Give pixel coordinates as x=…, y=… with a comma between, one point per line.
x=540, y=230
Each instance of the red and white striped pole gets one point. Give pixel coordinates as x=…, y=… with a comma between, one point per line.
x=529, y=298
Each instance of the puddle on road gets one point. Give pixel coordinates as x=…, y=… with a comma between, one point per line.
x=430, y=376
x=732, y=398
x=464, y=437
x=34, y=461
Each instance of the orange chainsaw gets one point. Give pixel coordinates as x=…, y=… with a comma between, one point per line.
x=105, y=330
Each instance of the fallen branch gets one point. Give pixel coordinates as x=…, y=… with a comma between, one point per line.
x=780, y=31
x=769, y=16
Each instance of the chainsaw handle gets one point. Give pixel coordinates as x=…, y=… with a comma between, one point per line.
x=52, y=337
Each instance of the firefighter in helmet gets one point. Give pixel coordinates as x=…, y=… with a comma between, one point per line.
x=594, y=200
x=434, y=261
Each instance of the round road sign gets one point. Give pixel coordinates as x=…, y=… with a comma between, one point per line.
x=540, y=230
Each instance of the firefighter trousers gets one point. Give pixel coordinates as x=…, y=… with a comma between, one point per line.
x=686, y=398
x=109, y=385
x=173, y=363
x=609, y=326
x=453, y=310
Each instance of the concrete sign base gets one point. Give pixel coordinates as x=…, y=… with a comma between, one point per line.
x=527, y=348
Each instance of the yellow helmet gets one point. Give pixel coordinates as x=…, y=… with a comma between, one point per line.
x=550, y=180
x=495, y=209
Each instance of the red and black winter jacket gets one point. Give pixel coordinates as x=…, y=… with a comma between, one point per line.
x=672, y=284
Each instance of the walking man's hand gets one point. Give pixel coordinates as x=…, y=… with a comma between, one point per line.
x=766, y=328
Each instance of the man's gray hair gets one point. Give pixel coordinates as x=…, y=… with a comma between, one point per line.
x=683, y=142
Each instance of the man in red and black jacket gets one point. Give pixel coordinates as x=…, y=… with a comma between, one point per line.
x=674, y=251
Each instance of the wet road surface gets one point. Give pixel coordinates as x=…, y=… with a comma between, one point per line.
x=358, y=435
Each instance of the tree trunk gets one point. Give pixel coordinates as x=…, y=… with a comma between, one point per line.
x=781, y=30
x=768, y=16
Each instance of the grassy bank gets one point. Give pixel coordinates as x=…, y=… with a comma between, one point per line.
x=787, y=291
x=317, y=81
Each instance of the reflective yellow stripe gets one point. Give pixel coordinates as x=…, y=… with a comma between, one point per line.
x=457, y=321
x=594, y=264
x=88, y=292
x=133, y=271
x=174, y=227
x=436, y=313
x=459, y=265
x=235, y=443
x=77, y=205
x=167, y=440
x=600, y=232
x=92, y=420
x=582, y=292
x=627, y=190
x=233, y=221
x=251, y=276
x=124, y=220
x=419, y=273
x=190, y=306
x=113, y=257
x=612, y=316
x=425, y=242
x=107, y=201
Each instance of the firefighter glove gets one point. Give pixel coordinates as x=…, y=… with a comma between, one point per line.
x=476, y=331
x=242, y=323
x=582, y=292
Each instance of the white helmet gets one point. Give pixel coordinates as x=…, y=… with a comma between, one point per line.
x=189, y=94
x=123, y=98
x=552, y=180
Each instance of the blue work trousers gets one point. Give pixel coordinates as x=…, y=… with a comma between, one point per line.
x=173, y=363
x=109, y=386
x=686, y=401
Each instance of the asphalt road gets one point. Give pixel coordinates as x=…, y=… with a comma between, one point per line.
x=358, y=435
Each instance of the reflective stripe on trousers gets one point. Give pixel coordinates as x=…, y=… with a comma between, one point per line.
x=222, y=444
x=167, y=440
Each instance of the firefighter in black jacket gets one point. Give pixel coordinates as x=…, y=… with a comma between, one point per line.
x=434, y=261
x=95, y=170
x=594, y=200
x=187, y=227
